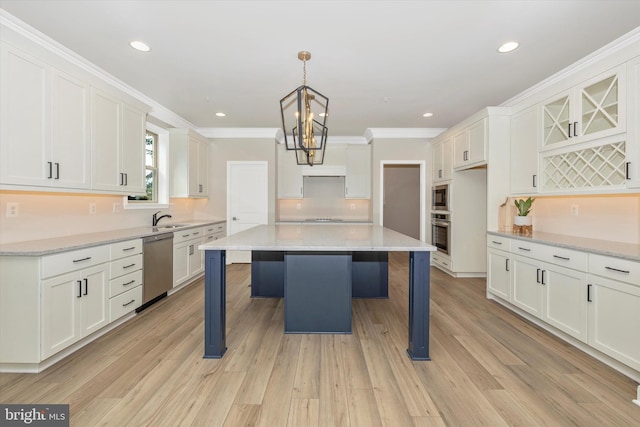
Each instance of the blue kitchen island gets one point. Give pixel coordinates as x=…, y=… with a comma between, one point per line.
x=318, y=269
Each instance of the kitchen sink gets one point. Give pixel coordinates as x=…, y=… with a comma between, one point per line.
x=173, y=226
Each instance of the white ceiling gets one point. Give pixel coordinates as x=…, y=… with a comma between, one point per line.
x=381, y=63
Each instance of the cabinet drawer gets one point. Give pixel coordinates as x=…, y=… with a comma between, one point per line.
x=124, y=283
x=565, y=257
x=125, y=303
x=528, y=249
x=124, y=249
x=184, y=235
x=215, y=228
x=442, y=261
x=499, y=242
x=623, y=270
x=125, y=265
x=53, y=265
x=214, y=236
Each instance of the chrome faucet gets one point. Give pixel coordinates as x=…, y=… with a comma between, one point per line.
x=156, y=219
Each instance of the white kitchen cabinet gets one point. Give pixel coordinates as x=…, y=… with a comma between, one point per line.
x=74, y=306
x=526, y=292
x=118, y=144
x=188, y=260
x=189, y=157
x=289, y=174
x=499, y=267
x=125, y=278
x=45, y=128
x=470, y=146
x=591, y=110
x=441, y=161
x=524, y=151
x=358, y=178
x=565, y=292
x=632, y=166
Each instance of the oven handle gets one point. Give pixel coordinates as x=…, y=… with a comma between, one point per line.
x=440, y=223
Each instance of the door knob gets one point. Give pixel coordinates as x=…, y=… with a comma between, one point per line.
x=235, y=219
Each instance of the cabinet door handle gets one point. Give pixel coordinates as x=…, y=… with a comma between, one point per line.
x=506, y=264
x=439, y=173
x=589, y=293
x=86, y=286
x=57, y=171
x=79, y=288
x=126, y=179
x=569, y=130
x=50, y=170
x=121, y=178
x=618, y=270
x=575, y=128
x=543, y=281
x=535, y=181
x=82, y=259
x=626, y=172
x=524, y=249
x=190, y=249
x=129, y=303
x=562, y=257
x=538, y=275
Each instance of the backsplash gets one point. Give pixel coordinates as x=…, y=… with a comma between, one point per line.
x=606, y=217
x=45, y=215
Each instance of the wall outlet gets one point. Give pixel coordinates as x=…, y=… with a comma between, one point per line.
x=12, y=210
x=574, y=210
x=353, y=206
x=117, y=207
x=92, y=208
x=298, y=206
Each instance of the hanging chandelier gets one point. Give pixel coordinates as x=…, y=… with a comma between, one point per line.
x=304, y=119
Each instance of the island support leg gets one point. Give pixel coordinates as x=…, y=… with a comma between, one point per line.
x=419, y=295
x=215, y=284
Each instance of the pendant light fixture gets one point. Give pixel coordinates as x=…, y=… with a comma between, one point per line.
x=304, y=118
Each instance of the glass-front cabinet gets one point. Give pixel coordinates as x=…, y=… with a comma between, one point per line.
x=594, y=109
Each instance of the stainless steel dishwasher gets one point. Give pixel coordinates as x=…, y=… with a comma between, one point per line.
x=157, y=267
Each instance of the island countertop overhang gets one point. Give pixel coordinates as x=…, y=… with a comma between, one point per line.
x=315, y=237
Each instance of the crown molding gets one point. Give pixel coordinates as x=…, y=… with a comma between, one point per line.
x=617, y=45
x=402, y=133
x=247, y=133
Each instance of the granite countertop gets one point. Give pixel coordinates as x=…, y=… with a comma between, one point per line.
x=319, y=237
x=628, y=251
x=79, y=241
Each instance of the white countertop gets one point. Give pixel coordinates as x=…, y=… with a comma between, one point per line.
x=603, y=247
x=319, y=237
x=79, y=241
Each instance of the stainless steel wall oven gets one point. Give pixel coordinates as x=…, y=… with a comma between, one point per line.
x=441, y=232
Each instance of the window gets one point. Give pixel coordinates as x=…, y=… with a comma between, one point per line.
x=151, y=173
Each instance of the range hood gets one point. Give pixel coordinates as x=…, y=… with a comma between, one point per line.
x=323, y=170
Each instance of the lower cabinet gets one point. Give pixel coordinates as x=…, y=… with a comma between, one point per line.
x=188, y=260
x=579, y=298
x=74, y=305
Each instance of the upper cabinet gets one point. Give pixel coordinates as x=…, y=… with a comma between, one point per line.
x=358, y=178
x=632, y=166
x=441, y=161
x=593, y=109
x=189, y=159
x=524, y=151
x=44, y=124
x=58, y=130
x=118, y=135
x=470, y=146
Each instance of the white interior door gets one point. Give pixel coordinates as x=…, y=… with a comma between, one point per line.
x=247, y=200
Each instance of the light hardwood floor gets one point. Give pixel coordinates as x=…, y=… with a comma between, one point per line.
x=489, y=368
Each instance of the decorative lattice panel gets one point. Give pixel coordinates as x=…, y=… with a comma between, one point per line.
x=600, y=166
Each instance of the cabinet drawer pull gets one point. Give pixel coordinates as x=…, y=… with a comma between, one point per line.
x=562, y=257
x=129, y=303
x=129, y=266
x=197, y=232
x=618, y=270
x=82, y=259
x=128, y=249
x=128, y=283
x=524, y=249
x=186, y=235
x=495, y=242
x=79, y=289
x=589, y=293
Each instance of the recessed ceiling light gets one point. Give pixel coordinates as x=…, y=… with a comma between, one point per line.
x=220, y=114
x=323, y=114
x=141, y=46
x=508, y=47
x=427, y=115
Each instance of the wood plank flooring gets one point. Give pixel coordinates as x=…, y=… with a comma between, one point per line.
x=489, y=368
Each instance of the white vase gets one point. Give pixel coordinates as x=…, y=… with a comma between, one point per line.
x=522, y=220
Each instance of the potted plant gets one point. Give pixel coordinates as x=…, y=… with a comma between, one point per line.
x=523, y=207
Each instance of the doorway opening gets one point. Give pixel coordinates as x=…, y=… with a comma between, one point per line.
x=402, y=198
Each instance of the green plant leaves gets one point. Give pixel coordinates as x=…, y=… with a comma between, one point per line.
x=523, y=206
